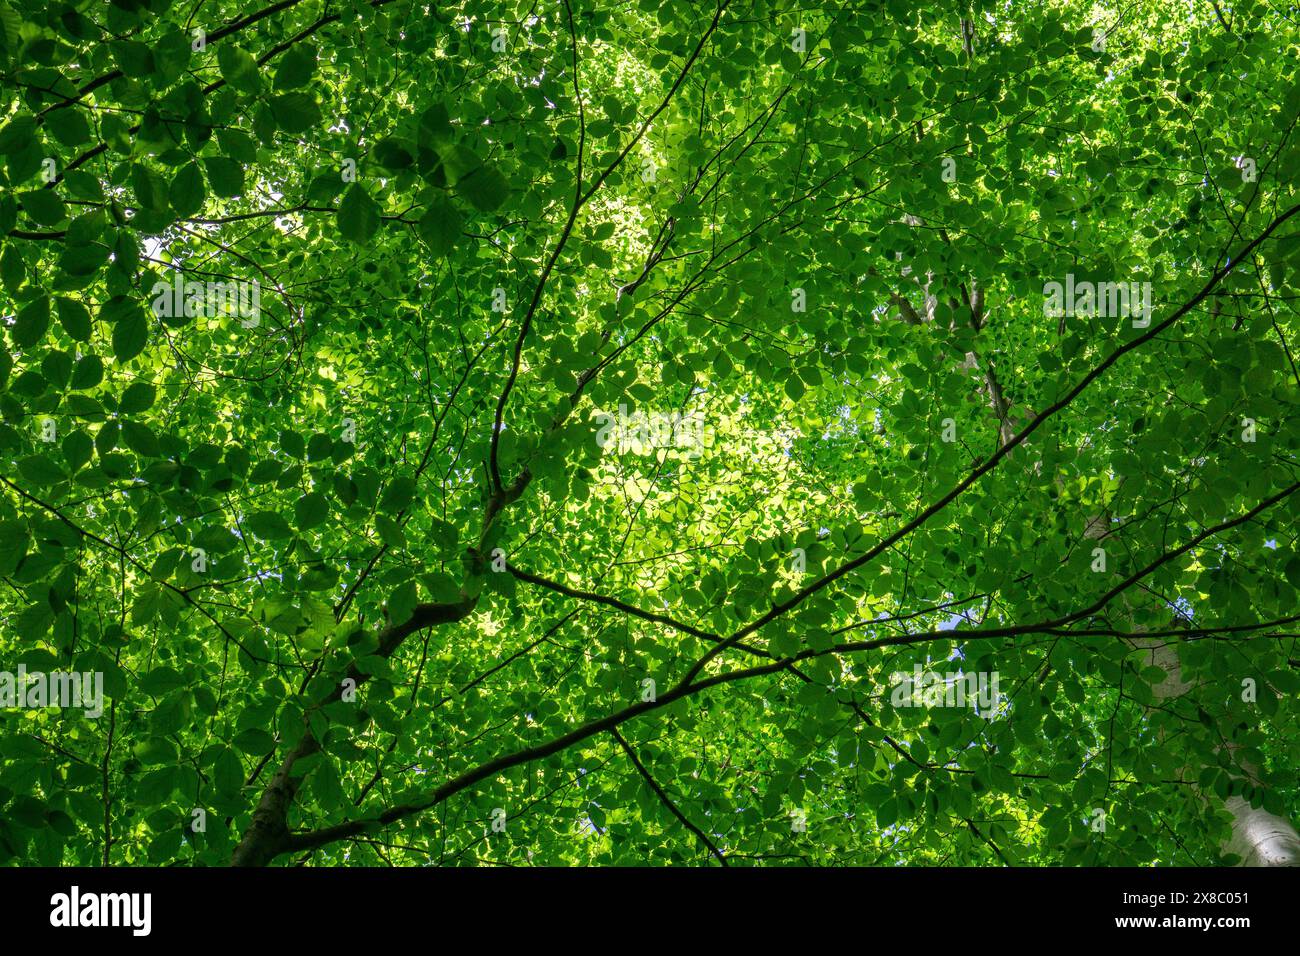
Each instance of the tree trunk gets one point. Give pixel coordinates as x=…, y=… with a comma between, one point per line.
x=1259, y=838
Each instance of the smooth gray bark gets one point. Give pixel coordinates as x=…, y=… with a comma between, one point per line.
x=1259, y=838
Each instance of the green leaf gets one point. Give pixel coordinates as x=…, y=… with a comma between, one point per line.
x=326, y=787
x=44, y=206
x=435, y=125
x=358, y=215
x=140, y=439
x=268, y=525
x=74, y=318
x=40, y=470
x=134, y=58
x=154, y=751
x=238, y=68
x=440, y=227
x=398, y=495
x=295, y=112
x=31, y=323
x=485, y=188
x=87, y=373
x=129, y=336
x=393, y=153
x=401, y=602
x=138, y=397
x=390, y=532
x=225, y=175
x=254, y=741
x=310, y=510
x=151, y=190
x=17, y=134
x=296, y=67
x=77, y=449
x=1292, y=571
x=187, y=192
x=68, y=126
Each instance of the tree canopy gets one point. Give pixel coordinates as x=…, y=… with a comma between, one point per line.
x=571, y=432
